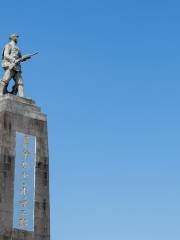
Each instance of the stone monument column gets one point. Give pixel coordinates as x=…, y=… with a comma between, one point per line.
x=24, y=170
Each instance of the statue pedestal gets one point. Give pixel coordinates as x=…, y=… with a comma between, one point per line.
x=22, y=116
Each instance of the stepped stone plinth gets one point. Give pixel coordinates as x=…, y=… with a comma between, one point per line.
x=22, y=117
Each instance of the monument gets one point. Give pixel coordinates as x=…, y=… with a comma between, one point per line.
x=24, y=161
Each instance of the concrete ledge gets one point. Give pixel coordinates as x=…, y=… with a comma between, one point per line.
x=23, y=106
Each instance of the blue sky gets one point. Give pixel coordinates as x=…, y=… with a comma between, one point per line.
x=108, y=77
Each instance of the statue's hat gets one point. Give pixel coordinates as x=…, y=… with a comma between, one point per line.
x=14, y=35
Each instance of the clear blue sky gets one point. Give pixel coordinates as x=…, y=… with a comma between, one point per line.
x=108, y=76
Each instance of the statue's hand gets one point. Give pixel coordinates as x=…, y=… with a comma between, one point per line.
x=12, y=60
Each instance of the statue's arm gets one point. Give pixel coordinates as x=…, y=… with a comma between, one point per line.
x=7, y=51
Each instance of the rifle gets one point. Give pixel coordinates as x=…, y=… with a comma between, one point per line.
x=22, y=59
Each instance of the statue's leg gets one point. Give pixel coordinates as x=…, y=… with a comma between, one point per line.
x=19, y=81
x=6, y=78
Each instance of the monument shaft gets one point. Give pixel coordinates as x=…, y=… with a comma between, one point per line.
x=23, y=116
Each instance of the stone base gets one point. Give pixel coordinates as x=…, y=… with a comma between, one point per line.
x=23, y=115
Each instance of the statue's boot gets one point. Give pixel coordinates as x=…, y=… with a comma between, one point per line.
x=21, y=90
x=2, y=87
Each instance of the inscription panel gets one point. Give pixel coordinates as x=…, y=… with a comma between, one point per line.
x=24, y=182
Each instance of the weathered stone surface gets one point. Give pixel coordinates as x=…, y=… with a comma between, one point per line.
x=22, y=115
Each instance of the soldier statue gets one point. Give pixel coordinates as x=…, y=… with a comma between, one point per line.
x=11, y=59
